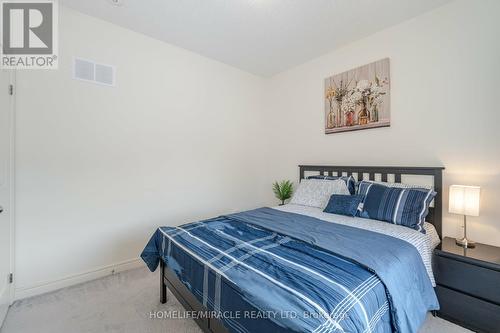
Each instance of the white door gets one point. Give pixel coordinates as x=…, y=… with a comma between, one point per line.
x=6, y=120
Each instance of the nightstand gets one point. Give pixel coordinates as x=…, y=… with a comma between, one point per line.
x=468, y=285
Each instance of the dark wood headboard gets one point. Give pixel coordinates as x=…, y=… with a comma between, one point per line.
x=435, y=213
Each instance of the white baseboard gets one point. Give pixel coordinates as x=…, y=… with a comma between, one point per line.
x=48, y=286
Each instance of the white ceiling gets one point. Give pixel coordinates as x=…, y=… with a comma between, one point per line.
x=263, y=37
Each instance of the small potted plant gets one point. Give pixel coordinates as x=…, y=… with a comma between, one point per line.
x=283, y=190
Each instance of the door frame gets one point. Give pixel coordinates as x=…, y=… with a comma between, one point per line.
x=12, y=181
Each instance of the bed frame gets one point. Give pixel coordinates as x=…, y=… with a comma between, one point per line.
x=212, y=325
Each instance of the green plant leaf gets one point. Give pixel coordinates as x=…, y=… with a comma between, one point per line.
x=283, y=190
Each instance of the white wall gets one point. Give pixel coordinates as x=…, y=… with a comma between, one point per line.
x=445, y=71
x=99, y=168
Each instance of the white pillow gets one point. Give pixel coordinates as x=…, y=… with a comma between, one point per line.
x=317, y=192
x=430, y=231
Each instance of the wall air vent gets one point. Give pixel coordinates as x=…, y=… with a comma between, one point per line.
x=90, y=71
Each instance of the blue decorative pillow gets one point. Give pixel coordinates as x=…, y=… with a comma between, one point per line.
x=403, y=206
x=344, y=204
x=349, y=181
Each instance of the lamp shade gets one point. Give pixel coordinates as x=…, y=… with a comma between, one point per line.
x=464, y=200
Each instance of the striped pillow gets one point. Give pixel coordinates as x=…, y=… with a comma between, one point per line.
x=349, y=181
x=363, y=185
x=403, y=206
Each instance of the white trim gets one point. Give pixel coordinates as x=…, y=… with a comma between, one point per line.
x=70, y=280
x=376, y=317
x=12, y=167
x=395, y=216
x=7, y=291
x=343, y=307
x=420, y=222
x=12, y=181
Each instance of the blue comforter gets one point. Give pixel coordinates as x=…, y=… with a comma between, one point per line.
x=299, y=273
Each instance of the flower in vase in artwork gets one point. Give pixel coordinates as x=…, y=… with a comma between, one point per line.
x=329, y=96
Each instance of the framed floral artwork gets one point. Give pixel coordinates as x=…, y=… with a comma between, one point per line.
x=359, y=98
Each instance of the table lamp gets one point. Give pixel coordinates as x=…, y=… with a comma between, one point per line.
x=464, y=200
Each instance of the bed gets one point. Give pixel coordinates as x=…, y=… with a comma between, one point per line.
x=296, y=269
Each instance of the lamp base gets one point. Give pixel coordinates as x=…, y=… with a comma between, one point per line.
x=464, y=242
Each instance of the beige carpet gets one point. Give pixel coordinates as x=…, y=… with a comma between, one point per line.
x=118, y=303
